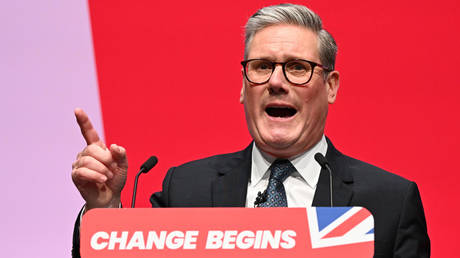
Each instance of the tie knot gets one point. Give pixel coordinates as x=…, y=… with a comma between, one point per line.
x=281, y=169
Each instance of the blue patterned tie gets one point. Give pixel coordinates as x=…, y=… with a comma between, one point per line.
x=276, y=195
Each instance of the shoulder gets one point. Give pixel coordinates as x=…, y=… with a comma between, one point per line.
x=363, y=174
x=191, y=184
x=383, y=193
x=369, y=174
x=220, y=162
x=395, y=203
x=214, y=165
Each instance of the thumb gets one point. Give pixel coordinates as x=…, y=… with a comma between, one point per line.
x=119, y=155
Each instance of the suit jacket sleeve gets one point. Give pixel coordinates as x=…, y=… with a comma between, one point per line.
x=76, y=237
x=161, y=199
x=412, y=238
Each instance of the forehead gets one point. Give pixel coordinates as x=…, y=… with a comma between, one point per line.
x=284, y=41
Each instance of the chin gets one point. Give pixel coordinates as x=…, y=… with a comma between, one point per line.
x=278, y=142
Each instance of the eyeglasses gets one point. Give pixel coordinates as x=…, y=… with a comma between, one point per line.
x=297, y=71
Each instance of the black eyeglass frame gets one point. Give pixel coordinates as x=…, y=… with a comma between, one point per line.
x=283, y=66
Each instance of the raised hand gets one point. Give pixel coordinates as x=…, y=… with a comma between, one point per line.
x=98, y=173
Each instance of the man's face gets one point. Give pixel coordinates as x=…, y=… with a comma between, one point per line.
x=285, y=119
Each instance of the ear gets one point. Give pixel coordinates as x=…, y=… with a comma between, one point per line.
x=242, y=94
x=242, y=89
x=332, y=84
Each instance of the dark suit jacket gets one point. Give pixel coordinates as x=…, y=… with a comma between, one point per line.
x=222, y=180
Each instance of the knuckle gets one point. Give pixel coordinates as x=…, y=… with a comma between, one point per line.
x=83, y=152
x=88, y=150
x=84, y=161
x=81, y=175
x=122, y=150
x=93, y=147
x=74, y=164
x=76, y=173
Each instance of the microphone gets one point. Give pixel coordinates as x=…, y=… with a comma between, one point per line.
x=149, y=164
x=261, y=198
x=322, y=161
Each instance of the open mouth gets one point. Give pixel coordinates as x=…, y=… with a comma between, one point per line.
x=284, y=112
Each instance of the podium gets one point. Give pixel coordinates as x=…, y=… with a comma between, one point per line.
x=228, y=232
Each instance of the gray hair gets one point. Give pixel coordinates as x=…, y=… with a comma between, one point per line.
x=295, y=15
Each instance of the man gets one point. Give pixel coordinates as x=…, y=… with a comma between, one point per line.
x=289, y=81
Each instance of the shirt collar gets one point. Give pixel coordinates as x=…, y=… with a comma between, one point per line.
x=304, y=163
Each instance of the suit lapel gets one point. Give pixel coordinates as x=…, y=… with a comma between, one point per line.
x=342, y=181
x=230, y=187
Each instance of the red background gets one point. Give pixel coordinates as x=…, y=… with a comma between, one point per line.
x=396, y=108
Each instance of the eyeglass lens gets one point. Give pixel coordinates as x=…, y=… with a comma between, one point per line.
x=296, y=71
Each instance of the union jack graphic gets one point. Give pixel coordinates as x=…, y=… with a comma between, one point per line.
x=339, y=226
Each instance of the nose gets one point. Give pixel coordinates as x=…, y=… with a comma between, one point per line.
x=278, y=83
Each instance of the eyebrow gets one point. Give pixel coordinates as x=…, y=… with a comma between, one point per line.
x=283, y=59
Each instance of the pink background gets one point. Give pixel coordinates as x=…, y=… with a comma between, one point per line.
x=46, y=70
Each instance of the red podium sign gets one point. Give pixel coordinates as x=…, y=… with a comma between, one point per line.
x=228, y=232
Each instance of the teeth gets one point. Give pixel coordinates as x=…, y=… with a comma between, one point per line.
x=280, y=111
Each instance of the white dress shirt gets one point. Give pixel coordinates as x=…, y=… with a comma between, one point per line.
x=300, y=186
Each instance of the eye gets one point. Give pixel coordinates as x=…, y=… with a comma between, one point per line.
x=262, y=65
x=298, y=67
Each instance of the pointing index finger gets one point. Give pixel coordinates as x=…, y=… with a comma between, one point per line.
x=87, y=129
